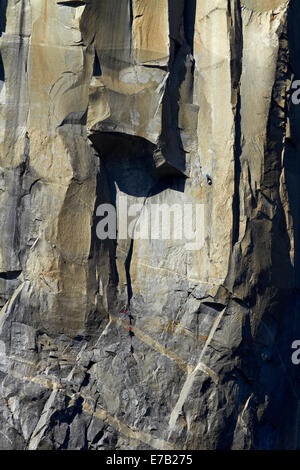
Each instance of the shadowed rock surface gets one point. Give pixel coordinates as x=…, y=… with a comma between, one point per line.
x=143, y=98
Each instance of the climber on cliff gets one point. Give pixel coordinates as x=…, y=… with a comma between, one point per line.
x=209, y=180
x=125, y=310
x=130, y=332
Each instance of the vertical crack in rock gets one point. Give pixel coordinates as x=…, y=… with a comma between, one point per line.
x=170, y=155
x=236, y=49
x=3, y=8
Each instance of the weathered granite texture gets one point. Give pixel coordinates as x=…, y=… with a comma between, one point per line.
x=102, y=98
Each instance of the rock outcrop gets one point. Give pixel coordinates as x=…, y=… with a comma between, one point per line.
x=103, y=101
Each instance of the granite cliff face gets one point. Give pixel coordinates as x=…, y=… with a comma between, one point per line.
x=143, y=98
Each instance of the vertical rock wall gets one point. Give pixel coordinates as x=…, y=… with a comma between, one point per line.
x=102, y=100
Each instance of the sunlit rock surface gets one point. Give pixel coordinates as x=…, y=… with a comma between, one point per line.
x=106, y=99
